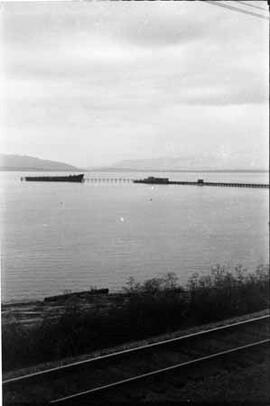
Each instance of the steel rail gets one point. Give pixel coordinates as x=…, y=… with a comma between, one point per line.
x=252, y=5
x=129, y=350
x=159, y=371
x=237, y=9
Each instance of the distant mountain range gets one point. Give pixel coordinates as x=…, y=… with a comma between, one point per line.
x=209, y=162
x=29, y=163
x=214, y=163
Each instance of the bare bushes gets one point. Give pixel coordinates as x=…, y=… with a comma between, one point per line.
x=155, y=306
x=224, y=293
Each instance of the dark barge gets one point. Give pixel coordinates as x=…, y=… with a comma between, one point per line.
x=69, y=178
x=200, y=182
x=152, y=180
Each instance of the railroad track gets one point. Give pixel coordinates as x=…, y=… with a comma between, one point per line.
x=124, y=370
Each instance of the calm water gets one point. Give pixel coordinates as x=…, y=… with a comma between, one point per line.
x=73, y=236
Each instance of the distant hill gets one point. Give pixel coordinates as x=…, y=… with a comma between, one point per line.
x=29, y=163
x=205, y=162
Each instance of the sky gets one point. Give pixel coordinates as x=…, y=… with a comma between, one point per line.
x=93, y=83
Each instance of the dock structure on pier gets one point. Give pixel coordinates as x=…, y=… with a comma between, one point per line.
x=200, y=182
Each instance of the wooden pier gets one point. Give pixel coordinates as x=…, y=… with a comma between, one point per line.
x=108, y=180
x=165, y=181
x=200, y=182
x=223, y=184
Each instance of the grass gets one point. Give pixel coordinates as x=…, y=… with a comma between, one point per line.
x=156, y=306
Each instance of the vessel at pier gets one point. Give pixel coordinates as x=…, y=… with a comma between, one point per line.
x=69, y=178
x=153, y=180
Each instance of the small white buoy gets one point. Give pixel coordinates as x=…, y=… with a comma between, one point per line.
x=122, y=219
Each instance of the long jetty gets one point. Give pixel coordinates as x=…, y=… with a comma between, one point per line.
x=200, y=182
x=108, y=180
x=222, y=184
x=165, y=181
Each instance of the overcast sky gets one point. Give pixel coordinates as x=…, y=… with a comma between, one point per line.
x=98, y=82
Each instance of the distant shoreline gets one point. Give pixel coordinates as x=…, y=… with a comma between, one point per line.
x=177, y=170
x=135, y=170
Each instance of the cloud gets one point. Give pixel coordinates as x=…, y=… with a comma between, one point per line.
x=119, y=73
x=145, y=24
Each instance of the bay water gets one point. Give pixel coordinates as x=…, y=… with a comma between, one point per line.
x=68, y=236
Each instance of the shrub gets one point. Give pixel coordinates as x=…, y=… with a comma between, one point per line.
x=156, y=306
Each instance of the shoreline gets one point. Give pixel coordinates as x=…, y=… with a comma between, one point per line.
x=30, y=313
x=78, y=323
